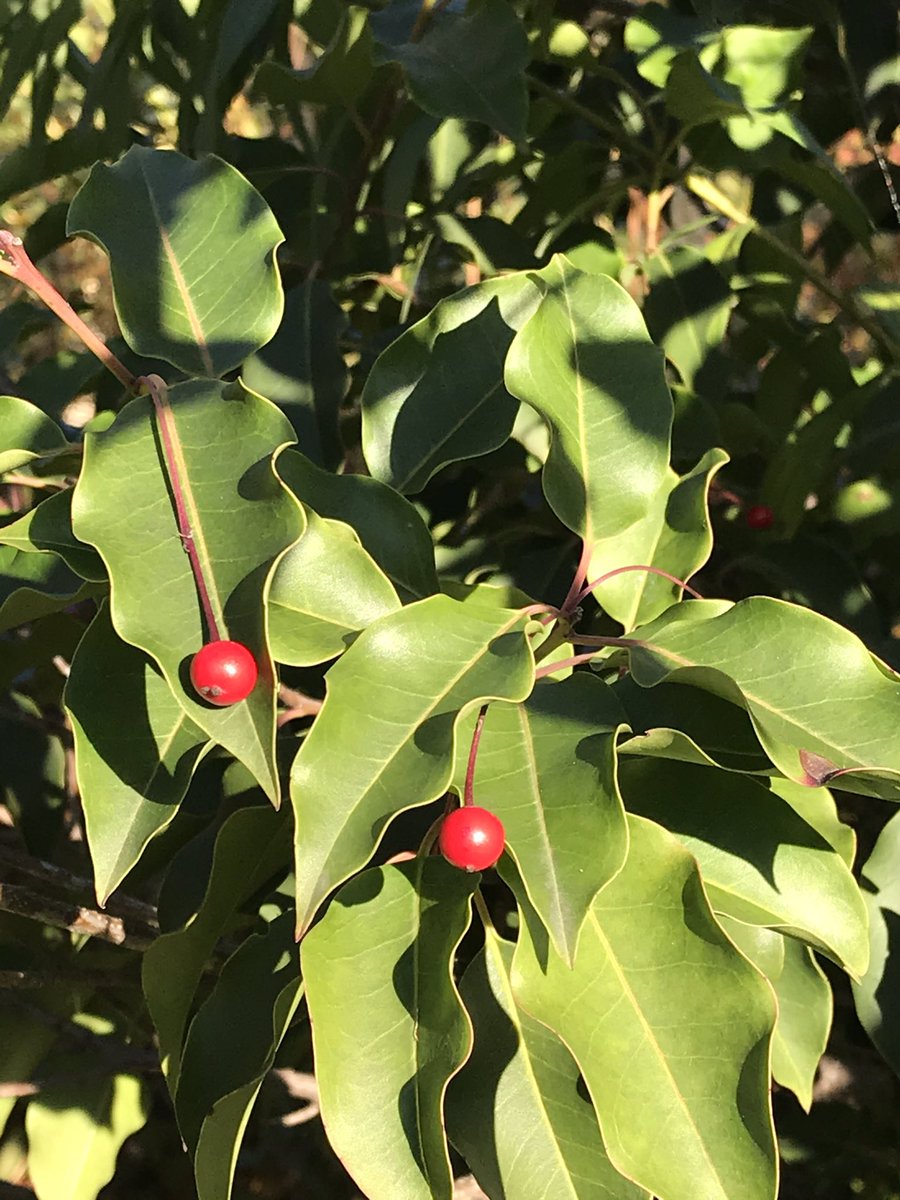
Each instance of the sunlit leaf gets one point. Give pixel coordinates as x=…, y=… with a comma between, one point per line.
x=388, y=1026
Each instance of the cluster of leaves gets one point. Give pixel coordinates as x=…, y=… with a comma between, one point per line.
x=455, y=424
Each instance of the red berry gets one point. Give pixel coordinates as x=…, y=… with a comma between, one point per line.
x=760, y=516
x=472, y=838
x=224, y=672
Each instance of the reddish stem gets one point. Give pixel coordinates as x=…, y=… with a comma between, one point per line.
x=575, y=660
x=588, y=588
x=571, y=601
x=16, y=263
x=168, y=436
x=468, y=793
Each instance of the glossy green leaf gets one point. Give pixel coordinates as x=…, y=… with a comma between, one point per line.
x=24, y=1041
x=302, y=370
x=385, y=738
x=388, y=1027
x=687, y=310
x=48, y=527
x=75, y=1130
x=584, y=360
x=825, y=710
x=387, y=525
x=760, y=861
x=876, y=993
x=805, y=1009
x=324, y=591
x=515, y=1111
x=469, y=65
x=132, y=774
x=669, y=1025
x=207, y=882
x=547, y=768
x=33, y=585
x=242, y=520
x=247, y=1011
x=26, y=433
x=687, y=724
x=817, y=808
x=804, y=1003
x=437, y=395
x=675, y=536
x=192, y=256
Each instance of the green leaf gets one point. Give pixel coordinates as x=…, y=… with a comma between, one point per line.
x=388, y=1027
x=385, y=738
x=876, y=993
x=26, y=433
x=761, y=862
x=192, y=255
x=825, y=710
x=669, y=1025
x=387, y=525
x=33, y=585
x=547, y=768
x=468, y=65
x=584, y=360
x=687, y=310
x=436, y=395
x=817, y=808
x=689, y=725
x=675, y=536
x=303, y=372
x=338, y=76
x=75, y=1130
x=48, y=527
x=207, y=881
x=324, y=591
x=658, y=34
x=247, y=1012
x=804, y=1003
x=515, y=1110
x=132, y=775
x=29, y=165
x=242, y=520
x=804, y=1021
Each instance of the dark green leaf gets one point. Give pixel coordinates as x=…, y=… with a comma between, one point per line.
x=468, y=65
x=388, y=526
x=132, y=774
x=302, y=370
x=192, y=255
x=436, y=394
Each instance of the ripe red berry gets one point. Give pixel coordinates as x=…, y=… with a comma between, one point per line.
x=472, y=838
x=760, y=516
x=224, y=672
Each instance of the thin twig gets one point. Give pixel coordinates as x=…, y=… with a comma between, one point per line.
x=75, y=917
x=15, y=262
x=44, y=872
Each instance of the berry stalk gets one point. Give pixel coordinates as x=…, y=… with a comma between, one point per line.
x=168, y=435
x=468, y=791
